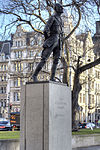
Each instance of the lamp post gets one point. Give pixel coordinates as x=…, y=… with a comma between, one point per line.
x=8, y=104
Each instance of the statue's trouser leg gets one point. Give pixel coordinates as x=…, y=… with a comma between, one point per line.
x=45, y=54
x=56, y=56
x=38, y=68
x=53, y=70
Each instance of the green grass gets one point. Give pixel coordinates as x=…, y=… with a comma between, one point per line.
x=16, y=134
x=9, y=134
x=86, y=131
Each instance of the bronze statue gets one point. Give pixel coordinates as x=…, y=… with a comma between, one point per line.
x=53, y=35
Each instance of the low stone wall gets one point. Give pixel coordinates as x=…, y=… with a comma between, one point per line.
x=85, y=140
x=9, y=144
x=78, y=141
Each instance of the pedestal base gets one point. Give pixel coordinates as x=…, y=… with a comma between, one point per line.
x=45, y=116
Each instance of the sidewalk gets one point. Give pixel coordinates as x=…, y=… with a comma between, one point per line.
x=88, y=148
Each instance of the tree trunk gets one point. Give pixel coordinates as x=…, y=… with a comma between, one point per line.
x=65, y=71
x=75, y=107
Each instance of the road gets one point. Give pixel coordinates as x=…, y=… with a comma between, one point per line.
x=88, y=148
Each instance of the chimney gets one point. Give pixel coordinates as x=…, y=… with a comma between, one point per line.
x=98, y=27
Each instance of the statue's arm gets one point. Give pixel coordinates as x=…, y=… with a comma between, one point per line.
x=47, y=27
x=62, y=33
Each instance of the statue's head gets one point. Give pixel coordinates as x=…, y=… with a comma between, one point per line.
x=58, y=8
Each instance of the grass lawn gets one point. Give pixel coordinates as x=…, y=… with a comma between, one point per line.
x=86, y=131
x=16, y=134
x=9, y=134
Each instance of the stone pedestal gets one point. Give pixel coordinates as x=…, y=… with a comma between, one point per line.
x=45, y=116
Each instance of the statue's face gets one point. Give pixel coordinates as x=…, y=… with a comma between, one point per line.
x=58, y=8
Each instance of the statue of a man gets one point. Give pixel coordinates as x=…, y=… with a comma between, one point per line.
x=53, y=36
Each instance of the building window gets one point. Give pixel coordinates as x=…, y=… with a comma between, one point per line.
x=16, y=96
x=1, y=103
x=15, y=67
x=2, y=90
x=4, y=67
x=18, y=66
x=32, y=43
x=19, y=34
x=97, y=74
x=21, y=43
x=83, y=98
x=30, y=67
x=21, y=82
x=15, y=82
x=84, y=83
x=31, y=54
x=92, y=99
x=99, y=111
x=96, y=87
x=3, y=57
x=39, y=54
x=89, y=98
x=4, y=78
x=1, y=67
x=80, y=100
x=18, y=54
x=98, y=100
x=18, y=43
x=40, y=42
x=4, y=103
x=1, y=78
x=61, y=77
x=92, y=84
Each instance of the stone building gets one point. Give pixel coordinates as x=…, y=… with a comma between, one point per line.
x=89, y=97
x=5, y=47
x=96, y=39
x=25, y=55
x=82, y=46
x=87, y=94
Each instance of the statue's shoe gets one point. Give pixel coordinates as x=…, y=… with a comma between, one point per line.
x=53, y=80
x=34, y=78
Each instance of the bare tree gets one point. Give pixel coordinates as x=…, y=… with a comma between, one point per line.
x=79, y=65
x=35, y=13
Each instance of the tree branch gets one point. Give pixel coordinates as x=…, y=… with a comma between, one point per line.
x=88, y=66
x=79, y=19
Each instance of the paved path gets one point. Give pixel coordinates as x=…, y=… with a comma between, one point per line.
x=88, y=148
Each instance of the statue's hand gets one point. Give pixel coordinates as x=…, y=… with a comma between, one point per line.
x=62, y=36
x=46, y=34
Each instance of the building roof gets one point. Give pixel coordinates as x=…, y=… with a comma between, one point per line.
x=96, y=39
x=82, y=37
x=1, y=42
